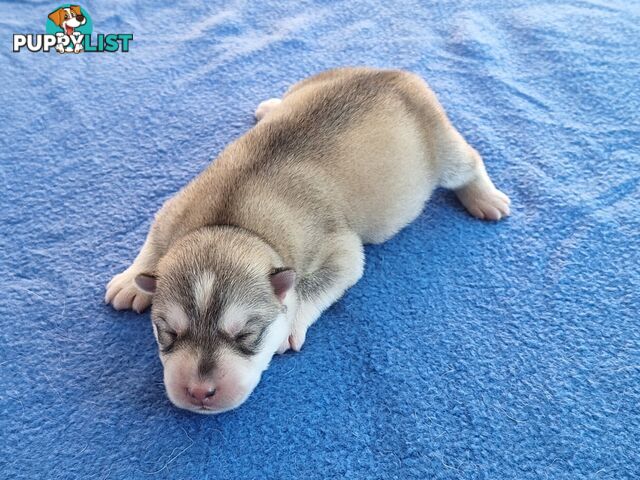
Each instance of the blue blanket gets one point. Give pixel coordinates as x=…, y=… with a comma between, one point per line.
x=468, y=350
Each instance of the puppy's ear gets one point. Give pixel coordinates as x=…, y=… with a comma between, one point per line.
x=282, y=279
x=75, y=9
x=146, y=283
x=57, y=17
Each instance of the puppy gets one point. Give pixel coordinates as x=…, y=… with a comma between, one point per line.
x=247, y=256
x=68, y=19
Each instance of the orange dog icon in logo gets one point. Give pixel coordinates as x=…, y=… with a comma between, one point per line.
x=68, y=19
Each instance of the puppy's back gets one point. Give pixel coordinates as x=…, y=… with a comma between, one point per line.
x=364, y=136
x=349, y=148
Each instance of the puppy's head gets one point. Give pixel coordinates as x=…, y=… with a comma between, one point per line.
x=219, y=314
x=68, y=18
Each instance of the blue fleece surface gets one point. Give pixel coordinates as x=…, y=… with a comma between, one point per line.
x=469, y=350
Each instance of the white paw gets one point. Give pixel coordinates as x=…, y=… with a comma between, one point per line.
x=266, y=107
x=284, y=347
x=305, y=316
x=297, y=338
x=485, y=204
x=293, y=342
x=123, y=293
x=60, y=48
x=78, y=48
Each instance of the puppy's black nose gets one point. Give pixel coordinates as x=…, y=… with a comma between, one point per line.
x=80, y=18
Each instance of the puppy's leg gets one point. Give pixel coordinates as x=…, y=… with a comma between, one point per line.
x=462, y=170
x=341, y=269
x=122, y=291
x=266, y=107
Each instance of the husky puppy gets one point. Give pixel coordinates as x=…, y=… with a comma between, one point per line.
x=246, y=257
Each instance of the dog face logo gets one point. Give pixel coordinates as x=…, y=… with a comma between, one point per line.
x=67, y=21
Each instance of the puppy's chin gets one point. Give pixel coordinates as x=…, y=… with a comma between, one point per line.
x=230, y=393
x=209, y=409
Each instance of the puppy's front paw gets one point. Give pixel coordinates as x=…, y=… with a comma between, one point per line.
x=297, y=338
x=123, y=293
x=284, y=347
x=485, y=203
x=266, y=107
x=78, y=48
x=293, y=342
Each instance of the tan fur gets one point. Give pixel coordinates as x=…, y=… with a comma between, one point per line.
x=349, y=156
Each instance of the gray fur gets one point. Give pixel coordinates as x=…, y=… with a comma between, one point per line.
x=349, y=157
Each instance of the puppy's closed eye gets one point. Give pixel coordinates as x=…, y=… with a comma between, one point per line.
x=165, y=335
x=247, y=336
x=248, y=341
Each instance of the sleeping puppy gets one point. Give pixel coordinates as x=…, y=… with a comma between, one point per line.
x=247, y=256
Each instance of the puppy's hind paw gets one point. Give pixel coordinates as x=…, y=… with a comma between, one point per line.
x=266, y=107
x=123, y=293
x=486, y=203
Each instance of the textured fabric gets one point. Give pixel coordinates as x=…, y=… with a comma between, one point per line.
x=468, y=350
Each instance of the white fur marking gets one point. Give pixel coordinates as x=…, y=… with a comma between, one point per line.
x=176, y=318
x=234, y=318
x=203, y=289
